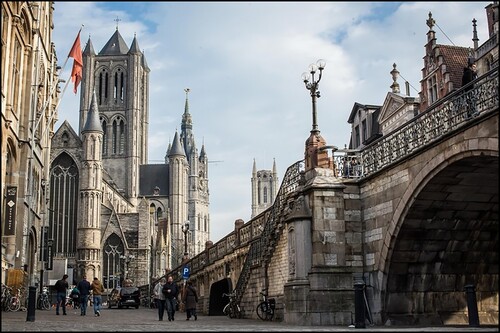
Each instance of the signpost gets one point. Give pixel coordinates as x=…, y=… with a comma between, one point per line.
x=185, y=272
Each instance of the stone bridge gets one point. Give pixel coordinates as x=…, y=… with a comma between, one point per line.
x=414, y=221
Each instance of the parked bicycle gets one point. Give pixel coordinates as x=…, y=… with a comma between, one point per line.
x=6, y=297
x=232, y=309
x=265, y=309
x=43, y=302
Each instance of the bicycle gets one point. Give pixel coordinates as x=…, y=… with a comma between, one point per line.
x=43, y=302
x=15, y=302
x=265, y=309
x=232, y=309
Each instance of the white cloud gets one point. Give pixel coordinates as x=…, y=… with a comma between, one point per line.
x=243, y=62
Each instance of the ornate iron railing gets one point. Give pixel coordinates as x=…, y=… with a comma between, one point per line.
x=264, y=245
x=441, y=119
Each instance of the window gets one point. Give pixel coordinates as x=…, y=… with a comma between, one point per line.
x=63, y=210
x=432, y=89
x=363, y=130
x=356, y=139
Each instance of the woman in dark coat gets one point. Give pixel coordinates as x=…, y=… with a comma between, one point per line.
x=469, y=74
x=190, y=300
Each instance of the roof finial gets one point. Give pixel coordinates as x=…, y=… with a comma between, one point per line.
x=430, y=22
x=117, y=20
x=187, y=90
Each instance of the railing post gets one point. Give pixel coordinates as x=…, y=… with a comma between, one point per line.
x=359, y=304
x=472, y=305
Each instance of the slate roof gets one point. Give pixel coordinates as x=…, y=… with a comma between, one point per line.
x=115, y=46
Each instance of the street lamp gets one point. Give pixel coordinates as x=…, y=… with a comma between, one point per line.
x=312, y=86
x=185, y=229
x=127, y=259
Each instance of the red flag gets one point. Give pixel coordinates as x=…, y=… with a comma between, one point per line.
x=76, y=54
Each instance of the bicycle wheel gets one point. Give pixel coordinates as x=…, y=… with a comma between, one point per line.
x=226, y=310
x=237, y=312
x=15, y=304
x=270, y=313
x=262, y=310
x=45, y=304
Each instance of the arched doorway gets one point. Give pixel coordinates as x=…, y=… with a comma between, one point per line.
x=217, y=302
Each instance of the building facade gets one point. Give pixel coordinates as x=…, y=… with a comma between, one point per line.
x=30, y=93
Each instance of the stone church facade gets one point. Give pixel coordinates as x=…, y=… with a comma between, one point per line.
x=112, y=214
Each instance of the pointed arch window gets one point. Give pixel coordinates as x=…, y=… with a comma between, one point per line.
x=265, y=194
x=115, y=87
x=104, y=126
x=103, y=86
x=63, y=211
x=119, y=86
x=122, y=86
x=114, y=267
x=114, y=137
x=122, y=137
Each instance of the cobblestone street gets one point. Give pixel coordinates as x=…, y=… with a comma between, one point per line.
x=143, y=319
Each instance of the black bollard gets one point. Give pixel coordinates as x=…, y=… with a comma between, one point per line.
x=359, y=304
x=30, y=312
x=472, y=305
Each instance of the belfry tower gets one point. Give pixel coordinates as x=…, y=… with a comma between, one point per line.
x=120, y=77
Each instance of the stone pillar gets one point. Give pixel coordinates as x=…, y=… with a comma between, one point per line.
x=296, y=290
x=331, y=277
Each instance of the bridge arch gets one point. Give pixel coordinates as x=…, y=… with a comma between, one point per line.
x=435, y=245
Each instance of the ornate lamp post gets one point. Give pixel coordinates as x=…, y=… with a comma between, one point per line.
x=185, y=230
x=127, y=259
x=312, y=86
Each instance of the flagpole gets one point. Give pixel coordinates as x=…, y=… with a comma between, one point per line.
x=53, y=89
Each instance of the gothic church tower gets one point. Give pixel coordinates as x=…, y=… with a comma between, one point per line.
x=264, y=188
x=120, y=77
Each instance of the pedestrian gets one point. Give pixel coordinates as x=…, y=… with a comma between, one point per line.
x=190, y=299
x=84, y=287
x=97, y=290
x=61, y=287
x=160, y=298
x=171, y=291
x=469, y=74
x=75, y=297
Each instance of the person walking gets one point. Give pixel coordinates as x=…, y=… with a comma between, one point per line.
x=97, y=290
x=170, y=290
x=190, y=299
x=160, y=298
x=61, y=287
x=84, y=287
x=468, y=76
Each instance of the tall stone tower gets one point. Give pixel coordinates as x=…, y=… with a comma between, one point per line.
x=178, y=183
x=264, y=188
x=198, y=216
x=88, y=248
x=120, y=77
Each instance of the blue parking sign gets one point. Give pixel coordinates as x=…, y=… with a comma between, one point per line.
x=185, y=272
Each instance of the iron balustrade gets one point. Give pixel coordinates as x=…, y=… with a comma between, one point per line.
x=443, y=118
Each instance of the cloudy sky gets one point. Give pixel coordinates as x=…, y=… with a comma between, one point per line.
x=243, y=63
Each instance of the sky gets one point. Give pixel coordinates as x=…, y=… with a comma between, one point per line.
x=243, y=63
